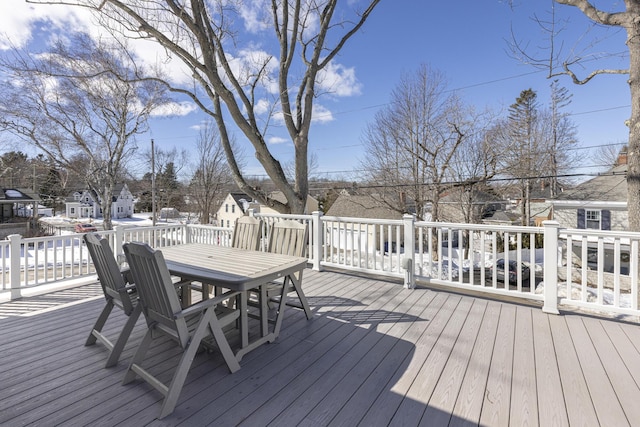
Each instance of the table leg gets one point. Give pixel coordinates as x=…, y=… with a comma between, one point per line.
x=264, y=310
x=244, y=319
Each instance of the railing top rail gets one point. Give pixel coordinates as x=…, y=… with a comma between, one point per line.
x=363, y=220
x=600, y=233
x=284, y=216
x=480, y=227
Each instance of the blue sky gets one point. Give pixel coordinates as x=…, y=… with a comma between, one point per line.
x=465, y=40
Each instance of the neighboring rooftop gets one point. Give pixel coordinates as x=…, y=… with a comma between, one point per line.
x=611, y=186
x=347, y=205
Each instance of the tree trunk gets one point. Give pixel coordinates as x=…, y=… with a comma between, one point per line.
x=633, y=172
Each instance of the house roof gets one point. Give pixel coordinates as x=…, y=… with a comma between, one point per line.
x=12, y=195
x=361, y=207
x=241, y=200
x=608, y=187
x=311, y=206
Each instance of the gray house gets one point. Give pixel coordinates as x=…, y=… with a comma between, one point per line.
x=598, y=204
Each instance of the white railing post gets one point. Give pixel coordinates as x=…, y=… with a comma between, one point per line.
x=15, y=241
x=187, y=233
x=408, y=262
x=318, y=243
x=551, y=229
x=117, y=244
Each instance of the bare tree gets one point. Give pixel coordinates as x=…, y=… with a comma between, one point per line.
x=558, y=63
x=206, y=35
x=212, y=176
x=77, y=101
x=608, y=156
x=411, y=142
x=473, y=165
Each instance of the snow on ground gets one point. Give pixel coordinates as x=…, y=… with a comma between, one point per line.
x=143, y=219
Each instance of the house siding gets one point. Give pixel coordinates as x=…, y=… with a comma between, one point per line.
x=568, y=217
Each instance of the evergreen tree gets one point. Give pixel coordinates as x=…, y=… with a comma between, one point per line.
x=523, y=145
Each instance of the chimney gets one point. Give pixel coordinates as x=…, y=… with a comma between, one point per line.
x=622, y=157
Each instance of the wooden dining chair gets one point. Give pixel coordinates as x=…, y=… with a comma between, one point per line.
x=197, y=324
x=117, y=293
x=287, y=237
x=247, y=233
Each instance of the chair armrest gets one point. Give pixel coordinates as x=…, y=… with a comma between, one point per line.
x=205, y=304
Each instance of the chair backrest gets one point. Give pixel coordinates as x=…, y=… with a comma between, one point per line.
x=247, y=233
x=111, y=278
x=156, y=291
x=288, y=238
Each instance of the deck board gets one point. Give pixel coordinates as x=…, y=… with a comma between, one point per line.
x=551, y=402
x=373, y=354
x=469, y=403
x=603, y=394
x=524, y=405
x=497, y=396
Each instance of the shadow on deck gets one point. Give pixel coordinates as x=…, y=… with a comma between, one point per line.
x=374, y=354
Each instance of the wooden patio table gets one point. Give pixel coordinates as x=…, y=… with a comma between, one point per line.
x=238, y=270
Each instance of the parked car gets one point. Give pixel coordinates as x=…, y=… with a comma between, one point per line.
x=85, y=228
x=512, y=273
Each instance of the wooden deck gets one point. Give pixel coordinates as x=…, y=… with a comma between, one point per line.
x=375, y=354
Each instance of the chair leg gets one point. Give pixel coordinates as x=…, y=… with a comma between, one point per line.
x=301, y=296
x=138, y=357
x=208, y=323
x=215, y=328
x=180, y=375
x=124, y=336
x=97, y=327
x=281, y=307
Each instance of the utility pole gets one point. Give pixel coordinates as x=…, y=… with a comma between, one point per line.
x=153, y=183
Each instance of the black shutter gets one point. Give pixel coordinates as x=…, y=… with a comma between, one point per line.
x=581, y=219
x=605, y=219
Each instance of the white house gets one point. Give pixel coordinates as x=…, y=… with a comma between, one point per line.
x=311, y=206
x=86, y=204
x=234, y=206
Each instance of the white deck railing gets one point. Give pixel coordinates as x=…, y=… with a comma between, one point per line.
x=590, y=269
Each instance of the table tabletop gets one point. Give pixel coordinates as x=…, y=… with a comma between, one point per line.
x=233, y=268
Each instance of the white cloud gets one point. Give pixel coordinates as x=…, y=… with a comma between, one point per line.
x=200, y=126
x=19, y=20
x=338, y=80
x=256, y=15
x=262, y=107
x=321, y=114
x=278, y=140
x=173, y=109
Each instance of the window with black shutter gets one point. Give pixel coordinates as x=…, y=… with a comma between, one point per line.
x=606, y=219
x=581, y=218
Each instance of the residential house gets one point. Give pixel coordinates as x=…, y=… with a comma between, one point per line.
x=235, y=205
x=86, y=203
x=359, y=206
x=311, y=206
x=460, y=205
x=12, y=202
x=598, y=204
